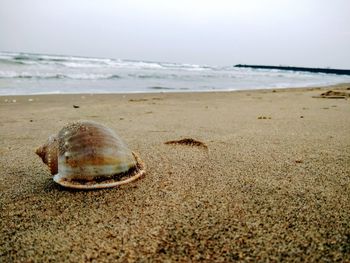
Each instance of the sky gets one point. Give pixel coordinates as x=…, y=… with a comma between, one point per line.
x=310, y=33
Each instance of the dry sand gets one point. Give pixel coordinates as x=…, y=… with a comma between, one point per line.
x=273, y=184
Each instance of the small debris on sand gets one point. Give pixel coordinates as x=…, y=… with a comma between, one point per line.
x=189, y=142
x=137, y=100
x=332, y=94
x=264, y=118
x=76, y=106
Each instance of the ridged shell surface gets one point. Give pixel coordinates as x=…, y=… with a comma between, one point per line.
x=88, y=151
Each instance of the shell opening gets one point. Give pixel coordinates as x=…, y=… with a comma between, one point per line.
x=131, y=175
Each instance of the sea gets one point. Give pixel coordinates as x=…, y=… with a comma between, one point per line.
x=29, y=74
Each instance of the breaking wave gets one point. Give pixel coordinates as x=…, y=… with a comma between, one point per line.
x=84, y=62
x=48, y=76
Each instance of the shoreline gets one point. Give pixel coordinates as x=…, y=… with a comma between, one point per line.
x=340, y=86
x=272, y=185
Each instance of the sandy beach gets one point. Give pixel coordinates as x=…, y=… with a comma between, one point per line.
x=273, y=183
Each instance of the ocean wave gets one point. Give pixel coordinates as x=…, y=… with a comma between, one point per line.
x=160, y=88
x=24, y=73
x=27, y=59
x=158, y=75
x=82, y=76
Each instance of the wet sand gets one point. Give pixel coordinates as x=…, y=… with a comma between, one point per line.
x=272, y=184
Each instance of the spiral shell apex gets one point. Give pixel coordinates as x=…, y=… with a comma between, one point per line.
x=49, y=153
x=88, y=155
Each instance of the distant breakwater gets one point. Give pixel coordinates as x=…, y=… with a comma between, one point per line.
x=314, y=70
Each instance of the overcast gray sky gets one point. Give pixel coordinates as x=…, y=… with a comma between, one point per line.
x=218, y=32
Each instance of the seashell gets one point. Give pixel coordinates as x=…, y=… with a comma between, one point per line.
x=88, y=155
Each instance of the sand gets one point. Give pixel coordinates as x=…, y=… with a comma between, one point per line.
x=273, y=183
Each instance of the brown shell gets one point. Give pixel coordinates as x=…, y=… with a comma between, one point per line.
x=88, y=155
